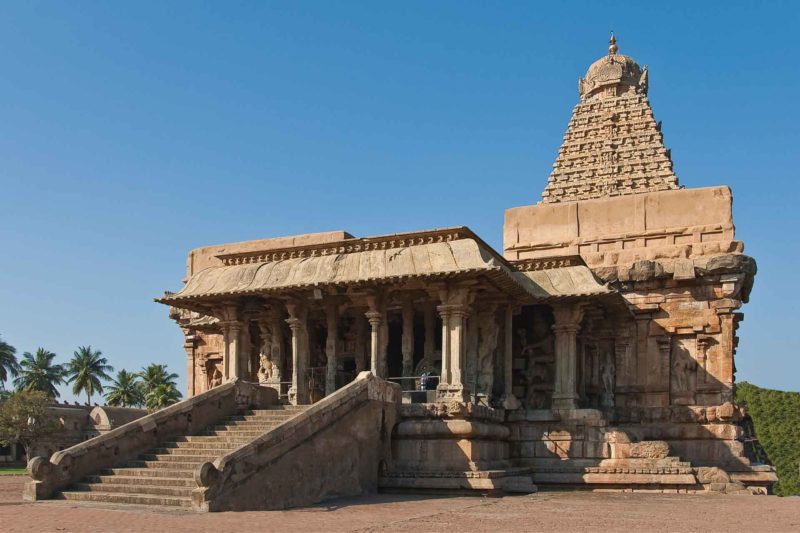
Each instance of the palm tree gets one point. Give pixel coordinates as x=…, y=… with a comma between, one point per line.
x=37, y=372
x=162, y=396
x=8, y=362
x=154, y=375
x=125, y=391
x=86, y=369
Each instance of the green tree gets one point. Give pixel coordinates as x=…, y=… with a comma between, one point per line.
x=85, y=371
x=9, y=367
x=162, y=396
x=125, y=391
x=24, y=419
x=38, y=372
x=154, y=375
x=776, y=417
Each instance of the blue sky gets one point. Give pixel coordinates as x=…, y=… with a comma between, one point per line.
x=131, y=133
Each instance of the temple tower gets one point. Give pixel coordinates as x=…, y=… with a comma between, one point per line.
x=613, y=145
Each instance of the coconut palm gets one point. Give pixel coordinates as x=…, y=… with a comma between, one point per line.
x=125, y=391
x=85, y=371
x=8, y=362
x=161, y=396
x=37, y=372
x=154, y=375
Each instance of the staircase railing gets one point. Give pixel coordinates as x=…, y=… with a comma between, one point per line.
x=230, y=482
x=132, y=439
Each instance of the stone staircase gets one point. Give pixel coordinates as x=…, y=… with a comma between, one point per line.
x=165, y=475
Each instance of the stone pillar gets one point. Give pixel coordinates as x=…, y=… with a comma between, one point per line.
x=429, y=347
x=298, y=393
x=361, y=348
x=374, y=318
x=566, y=327
x=330, y=348
x=458, y=344
x=444, y=313
x=407, y=341
x=509, y=400
x=231, y=338
x=192, y=365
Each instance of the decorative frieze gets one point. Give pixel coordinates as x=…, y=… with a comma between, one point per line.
x=388, y=242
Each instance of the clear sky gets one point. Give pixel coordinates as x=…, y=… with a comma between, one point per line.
x=133, y=132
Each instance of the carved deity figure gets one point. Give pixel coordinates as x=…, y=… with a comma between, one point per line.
x=216, y=378
x=268, y=370
x=682, y=368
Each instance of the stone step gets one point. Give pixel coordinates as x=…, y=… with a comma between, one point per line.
x=150, y=490
x=134, y=498
x=202, y=445
x=270, y=419
x=276, y=409
x=148, y=472
x=139, y=481
x=184, y=450
x=167, y=465
x=242, y=424
x=245, y=434
x=178, y=458
x=232, y=440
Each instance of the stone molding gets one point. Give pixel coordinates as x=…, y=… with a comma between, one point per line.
x=385, y=242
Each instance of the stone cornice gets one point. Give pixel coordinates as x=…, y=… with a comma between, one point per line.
x=528, y=265
x=384, y=242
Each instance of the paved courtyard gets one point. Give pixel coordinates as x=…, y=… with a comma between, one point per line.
x=547, y=511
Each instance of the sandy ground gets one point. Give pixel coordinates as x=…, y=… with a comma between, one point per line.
x=546, y=511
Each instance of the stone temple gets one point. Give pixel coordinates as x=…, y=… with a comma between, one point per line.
x=596, y=351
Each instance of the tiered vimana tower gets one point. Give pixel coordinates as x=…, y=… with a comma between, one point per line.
x=613, y=145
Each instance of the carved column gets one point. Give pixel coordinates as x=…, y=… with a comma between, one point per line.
x=361, y=351
x=458, y=319
x=509, y=400
x=444, y=313
x=566, y=327
x=407, y=341
x=189, y=341
x=454, y=311
x=429, y=346
x=330, y=348
x=298, y=391
x=374, y=318
x=231, y=333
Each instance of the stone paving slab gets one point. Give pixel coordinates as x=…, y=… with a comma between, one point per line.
x=547, y=511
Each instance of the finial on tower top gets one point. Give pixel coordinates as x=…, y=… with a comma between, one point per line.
x=612, y=49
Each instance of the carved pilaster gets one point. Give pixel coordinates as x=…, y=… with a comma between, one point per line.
x=407, y=341
x=331, y=314
x=375, y=318
x=298, y=393
x=567, y=324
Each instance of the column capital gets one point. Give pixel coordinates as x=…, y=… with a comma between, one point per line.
x=231, y=324
x=462, y=310
x=375, y=317
x=568, y=314
x=294, y=323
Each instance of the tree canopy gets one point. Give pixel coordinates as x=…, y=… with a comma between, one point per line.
x=39, y=373
x=85, y=371
x=159, y=386
x=9, y=367
x=24, y=419
x=776, y=417
x=125, y=390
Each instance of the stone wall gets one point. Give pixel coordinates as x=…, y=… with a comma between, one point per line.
x=335, y=448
